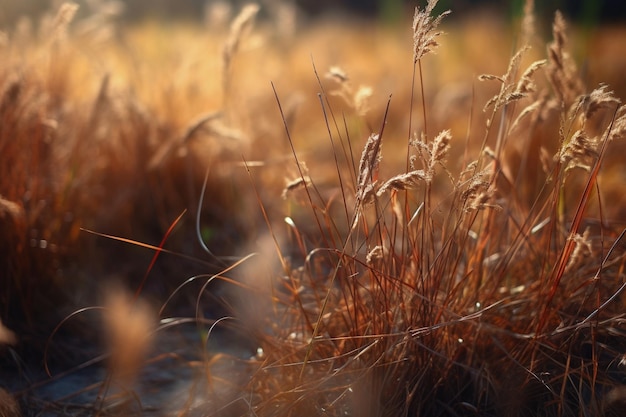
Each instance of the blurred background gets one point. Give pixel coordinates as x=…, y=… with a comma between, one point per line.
x=581, y=11
x=115, y=116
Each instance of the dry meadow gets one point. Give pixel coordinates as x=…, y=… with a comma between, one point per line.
x=267, y=216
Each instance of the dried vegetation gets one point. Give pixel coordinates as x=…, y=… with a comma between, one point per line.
x=477, y=270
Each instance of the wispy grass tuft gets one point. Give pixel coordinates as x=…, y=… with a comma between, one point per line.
x=455, y=296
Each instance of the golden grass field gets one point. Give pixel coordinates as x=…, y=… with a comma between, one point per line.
x=391, y=219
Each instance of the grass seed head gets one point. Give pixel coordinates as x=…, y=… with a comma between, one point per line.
x=600, y=98
x=368, y=168
x=618, y=130
x=425, y=30
x=439, y=150
x=408, y=181
x=579, y=152
x=62, y=20
x=562, y=71
x=295, y=184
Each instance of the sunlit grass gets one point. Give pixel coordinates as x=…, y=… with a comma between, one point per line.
x=388, y=234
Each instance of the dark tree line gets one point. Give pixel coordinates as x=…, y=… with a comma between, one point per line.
x=586, y=11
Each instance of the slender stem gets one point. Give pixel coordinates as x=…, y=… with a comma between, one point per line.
x=407, y=210
x=419, y=62
x=408, y=142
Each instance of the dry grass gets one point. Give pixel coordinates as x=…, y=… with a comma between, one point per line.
x=478, y=269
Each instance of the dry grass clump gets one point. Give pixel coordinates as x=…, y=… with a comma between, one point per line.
x=79, y=148
x=457, y=294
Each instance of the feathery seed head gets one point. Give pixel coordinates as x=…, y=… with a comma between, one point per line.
x=402, y=182
x=368, y=168
x=424, y=30
x=579, y=152
x=618, y=131
x=338, y=74
x=600, y=98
